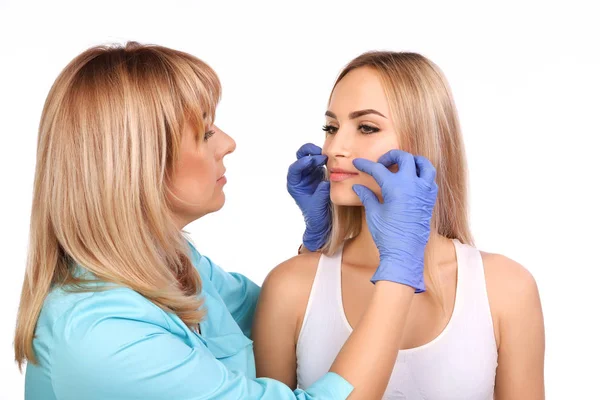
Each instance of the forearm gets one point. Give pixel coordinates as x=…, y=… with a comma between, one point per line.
x=367, y=359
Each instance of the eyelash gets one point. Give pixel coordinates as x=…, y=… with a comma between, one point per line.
x=330, y=129
x=208, y=134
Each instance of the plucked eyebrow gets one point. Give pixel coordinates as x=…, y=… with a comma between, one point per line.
x=356, y=114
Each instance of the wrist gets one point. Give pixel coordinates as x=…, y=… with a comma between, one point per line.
x=407, y=271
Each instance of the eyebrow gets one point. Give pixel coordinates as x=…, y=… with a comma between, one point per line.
x=356, y=114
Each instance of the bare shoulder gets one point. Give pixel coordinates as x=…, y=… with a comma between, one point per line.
x=507, y=278
x=519, y=328
x=295, y=273
x=285, y=292
x=512, y=291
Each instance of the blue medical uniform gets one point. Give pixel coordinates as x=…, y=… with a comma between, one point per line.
x=116, y=344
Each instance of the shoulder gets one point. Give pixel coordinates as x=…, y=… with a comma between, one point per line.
x=295, y=275
x=507, y=278
x=286, y=290
x=512, y=290
x=302, y=265
x=81, y=317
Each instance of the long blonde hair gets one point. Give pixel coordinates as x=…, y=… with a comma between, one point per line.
x=108, y=139
x=426, y=121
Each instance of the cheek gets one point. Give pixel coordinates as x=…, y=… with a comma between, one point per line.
x=371, y=149
x=194, y=180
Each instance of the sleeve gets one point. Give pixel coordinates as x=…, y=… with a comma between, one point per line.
x=119, y=348
x=239, y=293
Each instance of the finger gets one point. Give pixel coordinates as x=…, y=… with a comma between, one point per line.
x=315, y=171
x=319, y=160
x=303, y=167
x=366, y=196
x=318, y=174
x=323, y=189
x=376, y=170
x=426, y=170
x=295, y=172
x=405, y=161
x=312, y=180
x=308, y=149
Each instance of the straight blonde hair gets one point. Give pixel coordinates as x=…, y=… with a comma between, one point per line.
x=426, y=121
x=109, y=137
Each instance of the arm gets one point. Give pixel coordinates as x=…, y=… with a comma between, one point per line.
x=520, y=373
x=279, y=316
x=368, y=356
x=116, y=346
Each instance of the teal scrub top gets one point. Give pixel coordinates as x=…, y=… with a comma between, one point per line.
x=116, y=344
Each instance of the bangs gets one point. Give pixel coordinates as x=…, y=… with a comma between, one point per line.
x=199, y=89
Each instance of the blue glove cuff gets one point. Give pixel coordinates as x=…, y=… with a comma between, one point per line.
x=389, y=271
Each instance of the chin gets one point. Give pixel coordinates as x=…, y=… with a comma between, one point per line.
x=219, y=203
x=342, y=195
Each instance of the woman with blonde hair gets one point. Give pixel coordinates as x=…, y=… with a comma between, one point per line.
x=116, y=302
x=475, y=331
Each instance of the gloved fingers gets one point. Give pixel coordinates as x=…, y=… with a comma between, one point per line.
x=312, y=180
x=315, y=172
x=308, y=149
x=318, y=174
x=303, y=167
x=323, y=189
x=376, y=170
x=366, y=196
x=405, y=161
x=425, y=170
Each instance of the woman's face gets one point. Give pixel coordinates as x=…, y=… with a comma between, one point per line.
x=358, y=125
x=196, y=187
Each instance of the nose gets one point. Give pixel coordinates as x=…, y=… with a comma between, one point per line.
x=228, y=145
x=338, y=145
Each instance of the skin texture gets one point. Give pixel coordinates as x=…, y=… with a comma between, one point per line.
x=195, y=189
x=351, y=138
x=512, y=291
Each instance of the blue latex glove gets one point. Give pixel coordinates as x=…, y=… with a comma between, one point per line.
x=307, y=185
x=400, y=225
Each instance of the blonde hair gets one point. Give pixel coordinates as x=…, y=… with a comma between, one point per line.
x=426, y=121
x=108, y=139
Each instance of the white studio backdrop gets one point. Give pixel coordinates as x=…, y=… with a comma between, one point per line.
x=526, y=83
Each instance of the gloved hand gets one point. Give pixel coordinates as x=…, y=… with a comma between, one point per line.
x=400, y=225
x=307, y=185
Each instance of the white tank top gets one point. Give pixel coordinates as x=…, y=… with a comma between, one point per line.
x=458, y=364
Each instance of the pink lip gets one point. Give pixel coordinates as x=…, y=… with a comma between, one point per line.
x=339, y=175
x=222, y=180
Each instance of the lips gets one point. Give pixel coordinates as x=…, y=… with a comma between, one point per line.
x=339, y=174
x=222, y=178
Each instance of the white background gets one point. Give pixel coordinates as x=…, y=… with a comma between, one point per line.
x=526, y=81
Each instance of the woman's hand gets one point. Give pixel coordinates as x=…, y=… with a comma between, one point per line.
x=307, y=185
x=400, y=226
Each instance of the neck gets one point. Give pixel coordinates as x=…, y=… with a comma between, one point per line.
x=362, y=251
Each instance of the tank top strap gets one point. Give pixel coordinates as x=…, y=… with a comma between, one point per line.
x=471, y=295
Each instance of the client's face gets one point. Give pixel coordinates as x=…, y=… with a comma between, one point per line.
x=358, y=125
